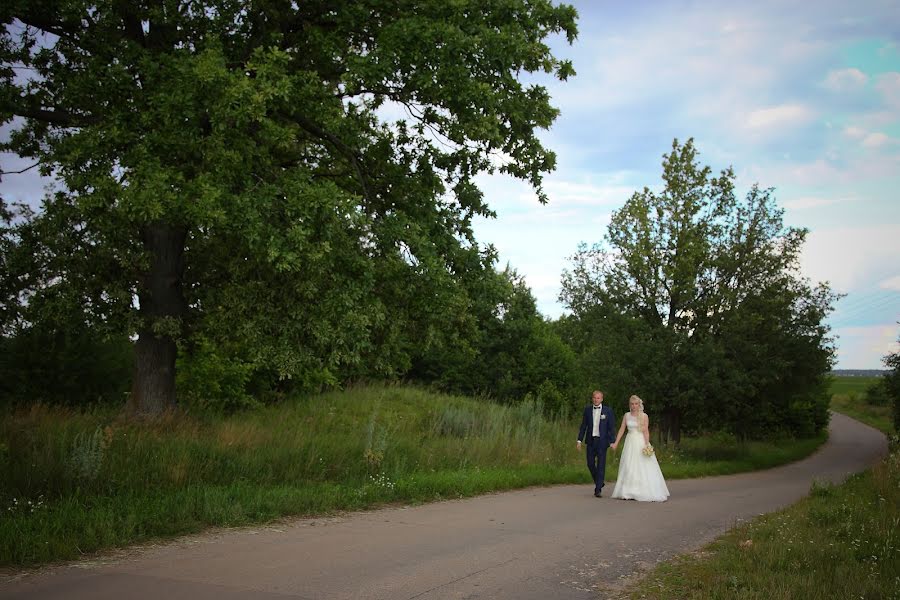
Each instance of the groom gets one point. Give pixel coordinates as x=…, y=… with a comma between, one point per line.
x=598, y=426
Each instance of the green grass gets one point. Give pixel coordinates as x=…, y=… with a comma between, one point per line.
x=77, y=483
x=848, y=396
x=843, y=384
x=840, y=542
x=722, y=455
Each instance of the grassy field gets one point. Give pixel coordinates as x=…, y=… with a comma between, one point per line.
x=78, y=483
x=840, y=542
x=844, y=385
x=848, y=397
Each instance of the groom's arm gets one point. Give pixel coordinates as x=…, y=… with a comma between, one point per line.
x=583, y=429
x=611, y=425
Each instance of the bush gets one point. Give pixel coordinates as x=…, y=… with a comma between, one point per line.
x=553, y=400
x=214, y=380
x=64, y=365
x=807, y=416
x=877, y=394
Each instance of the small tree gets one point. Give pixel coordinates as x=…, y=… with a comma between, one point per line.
x=697, y=296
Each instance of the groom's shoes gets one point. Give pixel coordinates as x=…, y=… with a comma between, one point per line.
x=598, y=494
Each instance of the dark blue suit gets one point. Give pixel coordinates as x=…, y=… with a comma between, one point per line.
x=596, y=446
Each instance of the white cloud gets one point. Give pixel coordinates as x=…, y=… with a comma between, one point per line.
x=875, y=140
x=567, y=193
x=864, y=347
x=810, y=173
x=856, y=133
x=848, y=257
x=845, y=80
x=855, y=170
x=889, y=86
x=807, y=202
x=868, y=139
x=778, y=117
x=892, y=283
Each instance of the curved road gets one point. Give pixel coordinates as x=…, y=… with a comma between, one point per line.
x=555, y=542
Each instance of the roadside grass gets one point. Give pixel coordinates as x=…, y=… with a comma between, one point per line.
x=723, y=455
x=848, y=396
x=75, y=483
x=840, y=542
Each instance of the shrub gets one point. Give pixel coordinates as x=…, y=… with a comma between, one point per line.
x=214, y=380
x=877, y=394
x=553, y=400
x=64, y=365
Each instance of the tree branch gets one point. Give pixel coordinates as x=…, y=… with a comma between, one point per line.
x=20, y=172
x=132, y=24
x=53, y=117
x=57, y=28
x=343, y=148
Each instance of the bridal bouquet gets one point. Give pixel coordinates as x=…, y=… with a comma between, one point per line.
x=648, y=450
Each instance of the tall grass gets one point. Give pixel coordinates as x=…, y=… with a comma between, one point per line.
x=103, y=482
x=840, y=542
x=76, y=483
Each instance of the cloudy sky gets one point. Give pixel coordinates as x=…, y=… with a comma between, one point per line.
x=800, y=96
x=803, y=97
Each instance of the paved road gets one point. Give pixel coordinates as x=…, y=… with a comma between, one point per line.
x=556, y=542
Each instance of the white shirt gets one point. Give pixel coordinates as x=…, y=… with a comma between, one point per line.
x=597, y=414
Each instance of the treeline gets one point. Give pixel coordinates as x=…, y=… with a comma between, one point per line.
x=496, y=345
x=693, y=301
x=236, y=218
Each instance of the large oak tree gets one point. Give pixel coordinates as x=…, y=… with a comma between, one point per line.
x=296, y=177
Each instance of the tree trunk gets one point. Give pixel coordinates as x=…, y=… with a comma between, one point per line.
x=670, y=425
x=162, y=307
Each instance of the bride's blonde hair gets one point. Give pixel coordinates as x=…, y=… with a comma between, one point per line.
x=640, y=403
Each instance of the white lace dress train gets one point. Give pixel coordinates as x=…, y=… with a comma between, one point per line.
x=640, y=477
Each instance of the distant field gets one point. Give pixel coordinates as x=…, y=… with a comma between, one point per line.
x=850, y=385
x=848, y=396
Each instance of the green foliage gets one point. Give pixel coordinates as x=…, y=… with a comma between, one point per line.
x=509, y=352
x=553, y=399
x=892, y=384
x=66, y=365
x=848, y=396
x=230, y=167
x=213, y=380
x=87, y=453
x=694, y=302
x=877, y=394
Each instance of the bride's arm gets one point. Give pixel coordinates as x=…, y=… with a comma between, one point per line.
x=615, y=444
x=645, y=428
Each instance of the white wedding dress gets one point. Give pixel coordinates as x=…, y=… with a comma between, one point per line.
x=639, y=476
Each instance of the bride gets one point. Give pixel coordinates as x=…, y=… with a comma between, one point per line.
x=639, y=475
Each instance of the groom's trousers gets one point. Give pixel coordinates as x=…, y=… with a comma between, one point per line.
x=596, y=460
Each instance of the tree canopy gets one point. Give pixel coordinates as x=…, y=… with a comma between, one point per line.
x=695, y=298
x=294, y=181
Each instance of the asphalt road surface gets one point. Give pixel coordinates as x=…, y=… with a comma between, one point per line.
x=554, y=542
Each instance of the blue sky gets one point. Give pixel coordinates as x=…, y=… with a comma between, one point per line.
x=800, y=96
